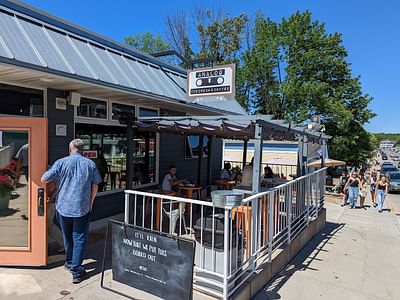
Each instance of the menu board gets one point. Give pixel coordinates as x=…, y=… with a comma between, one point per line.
x=156, y=263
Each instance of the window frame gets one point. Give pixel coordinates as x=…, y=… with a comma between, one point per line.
x=110, y=122
x=93, y=118
x=186, y=142
x=29, y=86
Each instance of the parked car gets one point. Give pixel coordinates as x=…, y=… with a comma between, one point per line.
x=385, y=169
x=394, y=181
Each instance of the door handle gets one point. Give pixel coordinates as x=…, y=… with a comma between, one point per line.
x=40, y=202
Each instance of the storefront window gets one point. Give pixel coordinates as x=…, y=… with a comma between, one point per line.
x=91, y=108
x=146, y=112
x=192, y=146
x=21, y=101
x=117, y=109
x=107, y=146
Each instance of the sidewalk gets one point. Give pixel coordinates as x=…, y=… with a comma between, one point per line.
x=355, y=257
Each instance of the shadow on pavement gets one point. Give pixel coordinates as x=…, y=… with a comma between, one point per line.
x=301, y=262
x=8, y=212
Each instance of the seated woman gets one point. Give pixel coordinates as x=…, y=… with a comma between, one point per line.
x=268, y=172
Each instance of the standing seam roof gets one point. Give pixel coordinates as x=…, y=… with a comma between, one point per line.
x=38, y=43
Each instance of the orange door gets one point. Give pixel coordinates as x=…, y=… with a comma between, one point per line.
x=23, y=159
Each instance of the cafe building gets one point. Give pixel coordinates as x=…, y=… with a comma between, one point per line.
x=59, y=81
x=138, y=115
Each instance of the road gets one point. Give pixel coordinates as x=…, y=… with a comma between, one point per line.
x=355, y=257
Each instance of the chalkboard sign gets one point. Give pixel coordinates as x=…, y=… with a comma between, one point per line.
x=156, y=263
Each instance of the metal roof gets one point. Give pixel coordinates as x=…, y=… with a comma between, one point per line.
x=38, y=41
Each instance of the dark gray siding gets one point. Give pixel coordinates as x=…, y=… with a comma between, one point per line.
x=172, y=151
x=58, y=145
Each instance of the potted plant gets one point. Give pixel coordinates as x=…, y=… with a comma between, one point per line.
x=7, y=181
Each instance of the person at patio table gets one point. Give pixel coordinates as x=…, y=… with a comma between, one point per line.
x=247, y=177
x=226, y=173
x=170, y=182
x=268, y=172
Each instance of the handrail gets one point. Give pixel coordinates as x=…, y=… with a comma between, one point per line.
x=173, y=198
x=252, y=197
x=275, y=221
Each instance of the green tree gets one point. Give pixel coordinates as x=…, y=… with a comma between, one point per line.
x=147, y=42
x=315, y=79
x=220, y=36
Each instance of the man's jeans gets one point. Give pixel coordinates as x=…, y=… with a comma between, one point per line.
x=353, y=196
x=75, y=233
x=381, y=199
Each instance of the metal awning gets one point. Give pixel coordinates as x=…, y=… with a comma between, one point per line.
x=229, y=127
x=39, y=42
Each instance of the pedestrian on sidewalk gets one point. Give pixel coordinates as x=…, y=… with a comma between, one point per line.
x=354, y=185
x=381, y=192
x=373, y=183
x=78, y=180
x=364, y=189
x=342, y=184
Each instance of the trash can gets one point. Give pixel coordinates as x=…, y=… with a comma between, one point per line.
x=204, y=243
x=226, y=198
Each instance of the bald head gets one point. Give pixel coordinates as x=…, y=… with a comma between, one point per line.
x=76, y=145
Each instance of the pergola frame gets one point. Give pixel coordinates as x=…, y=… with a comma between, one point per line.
x=243, y=127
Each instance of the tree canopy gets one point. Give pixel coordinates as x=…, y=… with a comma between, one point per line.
x=147, y=42
x=293, y=69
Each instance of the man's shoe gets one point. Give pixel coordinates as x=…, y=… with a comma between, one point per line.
x=76, y=280
x=67, y=267
x=79, y=278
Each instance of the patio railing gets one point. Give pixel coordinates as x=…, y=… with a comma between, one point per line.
x=277, y=169
x=231, y=242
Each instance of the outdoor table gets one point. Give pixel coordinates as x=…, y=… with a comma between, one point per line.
x=188, y=191
x=225, y=184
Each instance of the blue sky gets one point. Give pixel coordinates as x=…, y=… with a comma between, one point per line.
x=370, y=32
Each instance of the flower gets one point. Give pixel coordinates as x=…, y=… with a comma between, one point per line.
x=7, y=178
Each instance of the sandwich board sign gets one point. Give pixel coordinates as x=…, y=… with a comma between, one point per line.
x=150, y=261
x=216, y=81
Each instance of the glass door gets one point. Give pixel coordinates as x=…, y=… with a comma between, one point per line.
x=23, y=159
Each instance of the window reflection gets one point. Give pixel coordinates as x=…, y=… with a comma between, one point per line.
x=117, y=109
x=21, y=101
x=192, y=146
x=92, y=108
x=107, y=146
x=14, y=188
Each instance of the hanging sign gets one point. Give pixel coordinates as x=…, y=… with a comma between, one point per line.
x=216, y=81
x=90, y=153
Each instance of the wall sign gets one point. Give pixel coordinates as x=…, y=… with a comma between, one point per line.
x=61, y=130
x=219, y=80
x=61, y=103
x=156, y=263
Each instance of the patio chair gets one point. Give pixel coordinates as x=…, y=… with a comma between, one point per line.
x=175, y=214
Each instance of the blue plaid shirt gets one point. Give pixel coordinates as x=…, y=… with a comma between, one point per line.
x=75, y=175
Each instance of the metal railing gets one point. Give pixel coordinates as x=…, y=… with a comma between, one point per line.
x=277, y=169
x=231, y=242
